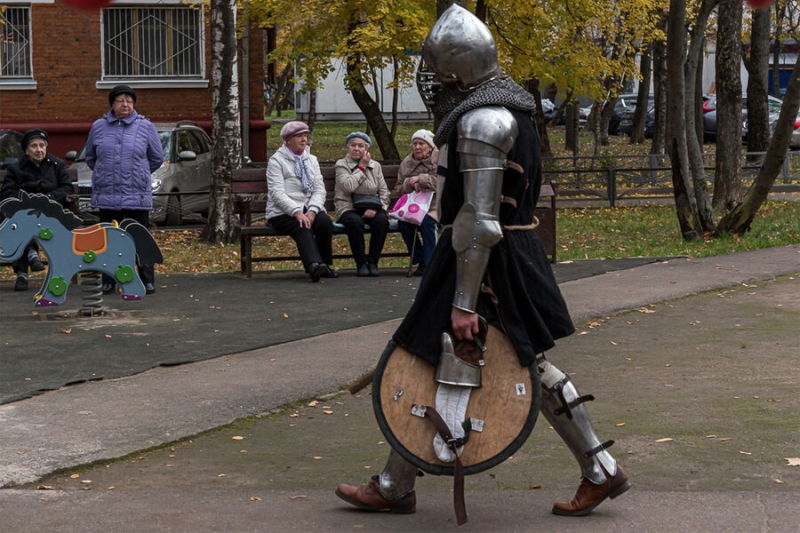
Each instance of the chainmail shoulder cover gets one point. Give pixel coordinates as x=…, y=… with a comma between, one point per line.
x=504, y=92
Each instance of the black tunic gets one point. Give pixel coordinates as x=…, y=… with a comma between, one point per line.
x=530, y=308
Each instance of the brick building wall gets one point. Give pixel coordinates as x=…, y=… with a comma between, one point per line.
x=67, y=66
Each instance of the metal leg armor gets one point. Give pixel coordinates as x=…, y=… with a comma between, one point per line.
x=398, y=477
x=563, y=408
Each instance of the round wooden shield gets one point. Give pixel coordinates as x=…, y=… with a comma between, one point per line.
x=503, y=409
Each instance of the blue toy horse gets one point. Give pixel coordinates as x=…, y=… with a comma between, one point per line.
x=103, y=247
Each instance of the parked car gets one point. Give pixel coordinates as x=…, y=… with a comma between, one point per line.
x=622, y=121
x=710, y=114
x=10, y=149
x=181, y=185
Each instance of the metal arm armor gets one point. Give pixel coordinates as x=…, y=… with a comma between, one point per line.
x=485, y=136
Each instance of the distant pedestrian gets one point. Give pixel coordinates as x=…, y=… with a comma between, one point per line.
x=123, y=150
x=361, y=197
x=296, y=203
x=417, y=172
x=38, y=172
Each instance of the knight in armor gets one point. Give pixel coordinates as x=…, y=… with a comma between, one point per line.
x=489, y=261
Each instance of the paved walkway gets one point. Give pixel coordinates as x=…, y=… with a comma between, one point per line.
x=262, y=486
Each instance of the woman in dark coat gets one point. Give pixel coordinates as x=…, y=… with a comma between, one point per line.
x=38, y=172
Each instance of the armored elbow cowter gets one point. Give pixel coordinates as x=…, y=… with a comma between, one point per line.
x=485, y=136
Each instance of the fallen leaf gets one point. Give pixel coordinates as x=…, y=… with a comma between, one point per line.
x=285, y=315
x=75, y=476
x=745, y=453
x=255, y=499
x=298, y=497
x=318, y=457
x=327, y=411
x=646, y=311
x=221, y=475
x=86, y=481
x=537, y=486
x=613, y=343
x=66, y=330
x=45, y=487
x=778, y=481
x=793, y=461
x=620, y=424
x=237, y=437
x=112, y=487
x=21, y=453
x=313, y=403
x=667, y=439
x=293, y=415
x=108, y=336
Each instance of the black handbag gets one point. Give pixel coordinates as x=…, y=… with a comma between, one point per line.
x=367, y=201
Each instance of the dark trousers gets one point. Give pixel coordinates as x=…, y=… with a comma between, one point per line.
x=20, y=266
x=314, y=245
x=146, y=273
x=353, y=223
x=424, y=251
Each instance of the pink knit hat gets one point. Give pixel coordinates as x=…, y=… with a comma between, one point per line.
x=295, y=127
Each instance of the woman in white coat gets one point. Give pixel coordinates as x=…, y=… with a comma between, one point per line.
x=296, y=201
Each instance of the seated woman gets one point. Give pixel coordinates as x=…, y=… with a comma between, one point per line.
x=417, y=172
x=357, y=174
x=38, y=172
x=296, y=202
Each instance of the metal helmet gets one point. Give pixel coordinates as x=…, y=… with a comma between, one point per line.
x=460, y=48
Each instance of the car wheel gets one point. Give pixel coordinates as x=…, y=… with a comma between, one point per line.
x=173, y=216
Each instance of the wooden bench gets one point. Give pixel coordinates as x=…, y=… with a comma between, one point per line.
x=249, y=187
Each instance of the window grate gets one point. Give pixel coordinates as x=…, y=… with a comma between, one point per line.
x=152, y=43
x=15, y=43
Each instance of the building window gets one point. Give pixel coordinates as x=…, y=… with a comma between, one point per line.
x=15, y=45
x=153, y=43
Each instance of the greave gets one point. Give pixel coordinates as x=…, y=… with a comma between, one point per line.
x=398, y=477
x=563, y=408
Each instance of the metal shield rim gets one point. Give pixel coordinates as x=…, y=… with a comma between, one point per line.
x=440, y=470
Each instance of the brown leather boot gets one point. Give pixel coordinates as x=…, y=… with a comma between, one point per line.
x=590, y=495
x=369, y=498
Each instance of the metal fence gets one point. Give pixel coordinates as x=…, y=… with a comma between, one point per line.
x=609, y=179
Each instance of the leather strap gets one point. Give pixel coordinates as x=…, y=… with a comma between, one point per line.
x=458, y=474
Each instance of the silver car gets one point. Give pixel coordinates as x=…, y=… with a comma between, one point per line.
x=180, y=186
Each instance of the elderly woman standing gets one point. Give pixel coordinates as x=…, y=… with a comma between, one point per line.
x=296, y=204
x=123, y=150
x=361, y=197
x=417, y=172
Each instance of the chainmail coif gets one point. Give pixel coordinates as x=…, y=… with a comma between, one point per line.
x=503, y=92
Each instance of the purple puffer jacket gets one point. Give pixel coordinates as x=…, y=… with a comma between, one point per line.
x=123, y=154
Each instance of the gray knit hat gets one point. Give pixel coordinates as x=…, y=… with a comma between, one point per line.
x=358, y=135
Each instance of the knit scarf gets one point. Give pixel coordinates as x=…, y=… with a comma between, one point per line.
x=302, y=173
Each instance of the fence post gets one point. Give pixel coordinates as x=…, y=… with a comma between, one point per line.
x=785, y=167
x=612, y=187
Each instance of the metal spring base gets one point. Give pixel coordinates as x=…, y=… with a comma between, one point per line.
x=92, y=294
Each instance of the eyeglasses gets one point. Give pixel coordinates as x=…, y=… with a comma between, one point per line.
x=123, y=101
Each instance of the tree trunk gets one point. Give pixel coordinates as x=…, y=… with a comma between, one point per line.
x=659, y=93
x=643, y=96
x=544, y=139
x=728, y=171
x=757, y=64
x=371, y=111
x=694, y=119
x=685, y=205
x=738, y=220
x=222, y=225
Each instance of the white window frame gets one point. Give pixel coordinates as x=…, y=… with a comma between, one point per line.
x=198, y=80
x=26, y=82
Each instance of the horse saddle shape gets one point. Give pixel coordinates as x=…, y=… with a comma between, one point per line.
x=94, y=238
